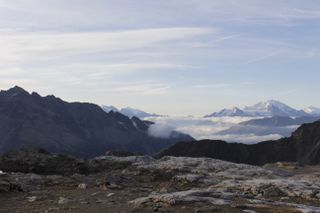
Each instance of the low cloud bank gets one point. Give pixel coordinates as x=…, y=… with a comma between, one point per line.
x=247, y=138
x=161, y=130
x=211, y=128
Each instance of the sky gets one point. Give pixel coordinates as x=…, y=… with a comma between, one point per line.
x=179, y=57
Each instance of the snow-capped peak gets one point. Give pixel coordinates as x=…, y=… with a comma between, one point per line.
x=109, y=108
x=131, y=112
x=312, y=110
x=273, y=108
x=229, y=113
x=264, y=109
x=266, y=106
x=235, y=109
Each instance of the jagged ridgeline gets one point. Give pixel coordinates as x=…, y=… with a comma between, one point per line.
x=80, y=129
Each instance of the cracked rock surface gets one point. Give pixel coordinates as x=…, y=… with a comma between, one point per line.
x=169, y=184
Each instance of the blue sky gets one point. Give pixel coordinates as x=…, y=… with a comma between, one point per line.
x=169, y=57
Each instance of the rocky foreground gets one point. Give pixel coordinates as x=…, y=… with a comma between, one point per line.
x=36, y=181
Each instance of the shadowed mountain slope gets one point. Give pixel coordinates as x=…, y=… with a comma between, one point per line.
x=80, y=129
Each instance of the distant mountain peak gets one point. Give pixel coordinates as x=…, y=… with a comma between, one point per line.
x=109, y=108
x=234, y=112
x=16, y=90
x=262, y=109
x=273, y=108
x=130, y=112
x=236, y=109
x=268, y=104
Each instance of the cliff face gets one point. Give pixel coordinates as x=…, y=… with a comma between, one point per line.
x=306, y=141
x=303, y=147
x=80, y=129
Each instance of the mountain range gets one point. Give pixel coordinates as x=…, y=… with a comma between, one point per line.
x=234, y=112
x=270, y=108
x=262, y=121
x=80, y=129
x=130, y=112
x=266, y=109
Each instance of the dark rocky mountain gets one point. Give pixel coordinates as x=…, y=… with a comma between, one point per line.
x=80, y=129
x=303, y=146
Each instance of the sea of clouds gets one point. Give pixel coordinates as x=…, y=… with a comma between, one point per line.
x=211, y=128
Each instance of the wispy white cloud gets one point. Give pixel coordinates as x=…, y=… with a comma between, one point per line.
x=258, y=59
x=71, y=46
x=256, y=11
x=121, y=13
x=20, y=46
x=207, y=128
x=142, y=88
x=98, y=70
x=79, y=58
x=222, y=39
x=212, y=86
